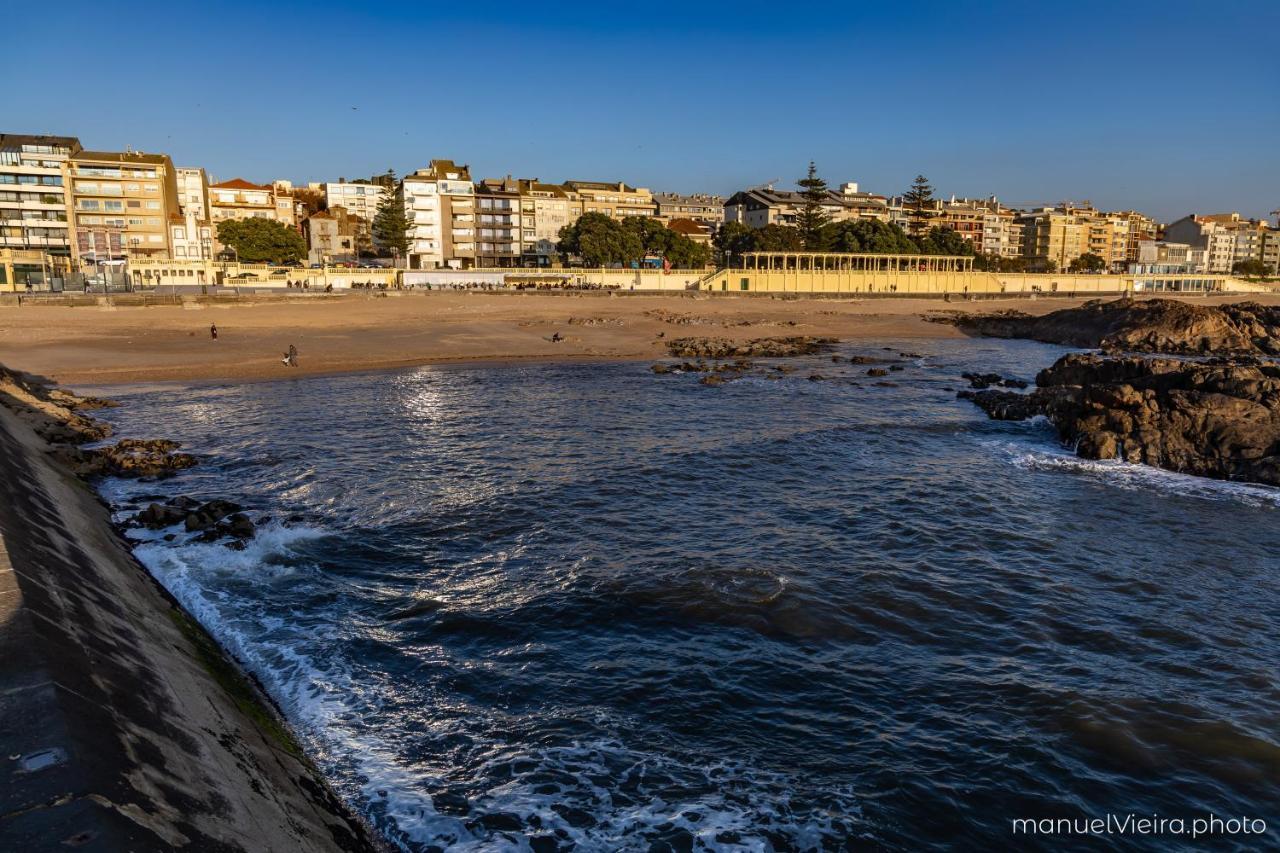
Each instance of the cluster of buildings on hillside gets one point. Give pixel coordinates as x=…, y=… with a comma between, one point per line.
x=65, y=209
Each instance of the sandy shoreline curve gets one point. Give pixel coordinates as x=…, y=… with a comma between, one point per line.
x=122, y=344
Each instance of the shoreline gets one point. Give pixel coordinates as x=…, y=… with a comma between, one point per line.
x=91, y=346
x=127, y=724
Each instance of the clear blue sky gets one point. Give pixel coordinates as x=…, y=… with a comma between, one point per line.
x=1166, y=107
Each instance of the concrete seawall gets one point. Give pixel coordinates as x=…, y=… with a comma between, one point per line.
x=123, y=726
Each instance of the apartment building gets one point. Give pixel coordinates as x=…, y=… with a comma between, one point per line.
x=440, y=206
x=241, y=199
x=122, y=203
x=1051, y=238
x=615, y=200
x=34, y=200
x=190, y=229
x=1161, y=256
x=498, y=223
x=360, y=200
x=544, y=210
x=1140, y=228
x=1225, y=237
x=699, y=208
x=767, y=206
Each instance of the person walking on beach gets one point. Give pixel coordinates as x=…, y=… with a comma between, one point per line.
x=213, y=331
x=291, y=357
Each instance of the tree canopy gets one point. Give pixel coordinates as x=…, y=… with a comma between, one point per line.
x=601, y=241
x=1250, y=266
x=259, y=240
x=1088, y=262
x=390, y=224
x=854, y=235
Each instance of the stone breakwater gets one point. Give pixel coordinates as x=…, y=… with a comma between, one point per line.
x=125, y=726
x=1213, y=417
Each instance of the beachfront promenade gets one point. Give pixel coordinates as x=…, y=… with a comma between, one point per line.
x=796, y=273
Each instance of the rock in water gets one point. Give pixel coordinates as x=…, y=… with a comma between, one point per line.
x=1216, y=418
x=1139, y=325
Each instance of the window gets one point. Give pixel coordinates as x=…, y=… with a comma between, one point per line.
x=89, y=204
x=133, y=204
x=153, y=205
x=179, y=233
x=135, y=221
x=744, y=283
x=153, y=188
x=133, y=188
x=113, y=205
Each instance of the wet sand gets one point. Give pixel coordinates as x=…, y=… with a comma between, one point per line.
x=357, y=332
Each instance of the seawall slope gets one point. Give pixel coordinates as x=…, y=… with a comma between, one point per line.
x=122, y=724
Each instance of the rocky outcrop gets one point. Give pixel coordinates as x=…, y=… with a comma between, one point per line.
x=129, y=457
x=757, y=348
x=213, y=520
x=1164, y=326
x=1216, y=418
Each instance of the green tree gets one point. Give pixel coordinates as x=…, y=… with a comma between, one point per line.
x=1088, y=262
x=732, y=241
x=870, y=236
x=258, y=240
x=779, y=238
x=390, y=224
x=812, y=215
x=1250, y=266
x=599, y=241
x=916, y=200
x=944, y=241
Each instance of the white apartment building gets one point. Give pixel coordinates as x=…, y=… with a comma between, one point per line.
x=193, y=192
x=359, y=199
x=420, y=195
x=439, y=203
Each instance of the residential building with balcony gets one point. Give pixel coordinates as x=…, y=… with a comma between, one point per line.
x=122, y=204
x=498, y=223
x=1161, y=256
x=241, y=199
x=544, y=210
x=360, y=200
x=699, y=208
x=615, y=200
x=35, y=203
x=1225, y=237
x=440, y=207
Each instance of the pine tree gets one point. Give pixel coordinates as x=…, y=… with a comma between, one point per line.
x=812, y=215
x=916, y=200
x=390, y=225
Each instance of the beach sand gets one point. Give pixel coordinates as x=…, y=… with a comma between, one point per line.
x=355, y=332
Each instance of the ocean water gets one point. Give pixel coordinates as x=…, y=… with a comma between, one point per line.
x=583, y=606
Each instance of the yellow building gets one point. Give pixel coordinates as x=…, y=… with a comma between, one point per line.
x=121, y=202
x=617, y=201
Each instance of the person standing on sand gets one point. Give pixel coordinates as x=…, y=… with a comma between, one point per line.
x=293, y=356
x=213, y=331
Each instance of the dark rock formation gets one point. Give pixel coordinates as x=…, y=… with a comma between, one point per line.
x=877, y=371
x=758, y=347
x=129, y=457
x=1130, y=325
x=988, y=380
x=1217, y=418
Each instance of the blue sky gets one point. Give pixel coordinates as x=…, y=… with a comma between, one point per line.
x=1169, y=108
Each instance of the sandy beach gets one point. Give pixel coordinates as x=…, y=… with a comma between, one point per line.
x=126, y=344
